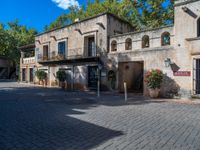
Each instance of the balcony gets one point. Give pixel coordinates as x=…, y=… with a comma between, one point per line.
x=29, y=60
x=76, y=56
x=194, y=45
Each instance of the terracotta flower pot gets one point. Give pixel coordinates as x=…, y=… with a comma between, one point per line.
x=154, y=93
x=41, y=82
x=62, y=85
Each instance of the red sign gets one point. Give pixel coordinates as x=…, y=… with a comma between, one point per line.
x=182, y=73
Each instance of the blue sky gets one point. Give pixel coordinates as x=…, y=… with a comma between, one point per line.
x=34, y=13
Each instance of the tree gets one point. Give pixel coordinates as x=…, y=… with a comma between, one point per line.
x=140, y=13
x=12, y=37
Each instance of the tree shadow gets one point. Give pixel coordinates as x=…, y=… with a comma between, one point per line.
x=30, y=120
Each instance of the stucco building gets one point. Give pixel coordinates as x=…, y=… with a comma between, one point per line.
x=107, y=49
x=28, y=63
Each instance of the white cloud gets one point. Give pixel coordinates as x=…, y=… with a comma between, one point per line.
x=65, y=4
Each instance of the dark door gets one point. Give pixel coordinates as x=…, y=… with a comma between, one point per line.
x=45, y=52
x=92, y=77
x=91, y=47
x=31, y=75
x=197, y=78
x=23, y=74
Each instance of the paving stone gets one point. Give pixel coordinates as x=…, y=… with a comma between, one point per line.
x=39, y=118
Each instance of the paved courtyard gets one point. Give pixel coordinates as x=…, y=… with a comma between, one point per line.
x=49, y=119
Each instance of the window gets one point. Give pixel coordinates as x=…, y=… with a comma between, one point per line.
x=165, y=39
x=128, y=44
x=45, y=52
x=145, y=41
x=61, y=48
x=114, y=46
x=198, y=27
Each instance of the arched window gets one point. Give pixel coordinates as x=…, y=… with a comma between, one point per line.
x=128, y=44
x=198, y=27
x=145, y=41
x=165, y=39
x=114, y=46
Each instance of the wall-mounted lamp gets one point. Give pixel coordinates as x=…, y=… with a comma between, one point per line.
x=78, y=30
x=168, y=62
x=185, y=9
x=38, y=41
x=53, y=37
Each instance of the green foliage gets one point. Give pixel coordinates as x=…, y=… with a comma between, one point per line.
x=13, y=36
x=140, y=13
x=41, y=75
x=61, y=75
x=154, y=78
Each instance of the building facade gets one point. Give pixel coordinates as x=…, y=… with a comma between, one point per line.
x=79, y=49
x=28, y=63
x=105, y=48
x=178, y=45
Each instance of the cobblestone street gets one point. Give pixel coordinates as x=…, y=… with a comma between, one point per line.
x=33, y=118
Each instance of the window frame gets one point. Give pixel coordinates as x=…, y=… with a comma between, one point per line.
x=114, y=46
x=144, y=38
x=164, y=34
x=62, y=52
x=128, y=44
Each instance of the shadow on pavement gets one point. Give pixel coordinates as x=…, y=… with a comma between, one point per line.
x=28, y=120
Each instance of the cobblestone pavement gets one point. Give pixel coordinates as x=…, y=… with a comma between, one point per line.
x=47, y=119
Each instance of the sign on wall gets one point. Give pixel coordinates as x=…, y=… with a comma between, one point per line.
x=182, y=73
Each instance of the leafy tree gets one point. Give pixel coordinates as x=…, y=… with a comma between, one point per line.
x=12, y=37
x=140, y=13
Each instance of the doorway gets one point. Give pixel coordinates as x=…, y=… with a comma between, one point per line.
x=92, y=77
x=24, y=74
x=133, y=74
x=196, y=76
x=31, y=74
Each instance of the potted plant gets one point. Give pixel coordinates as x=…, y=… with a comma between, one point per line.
x=154, y=79
x=61, y=76
x=41, y=75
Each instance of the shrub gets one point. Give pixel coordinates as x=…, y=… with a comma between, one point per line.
x=41, y=75
x=154, y=78
x=61, y=75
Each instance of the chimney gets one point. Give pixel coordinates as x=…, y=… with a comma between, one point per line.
x=77, y=20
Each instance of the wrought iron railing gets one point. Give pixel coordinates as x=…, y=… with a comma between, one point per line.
x=75, y=53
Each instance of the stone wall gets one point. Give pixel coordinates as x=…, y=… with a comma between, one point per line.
x=183, y=48
x=99, y=27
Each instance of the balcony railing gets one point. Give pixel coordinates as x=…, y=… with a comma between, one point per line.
x=76, y=53
x=29, y=60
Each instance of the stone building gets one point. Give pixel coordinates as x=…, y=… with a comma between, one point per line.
x=173, y=49
x=27, y=63
x=105, y=48
x=79, y=49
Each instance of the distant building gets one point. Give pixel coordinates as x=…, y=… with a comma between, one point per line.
x=107, y=49
x=27, y=63
x=7, y=68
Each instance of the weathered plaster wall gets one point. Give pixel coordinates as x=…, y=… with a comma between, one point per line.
x=76, y=43
x=185, y=27
x=184, y=47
